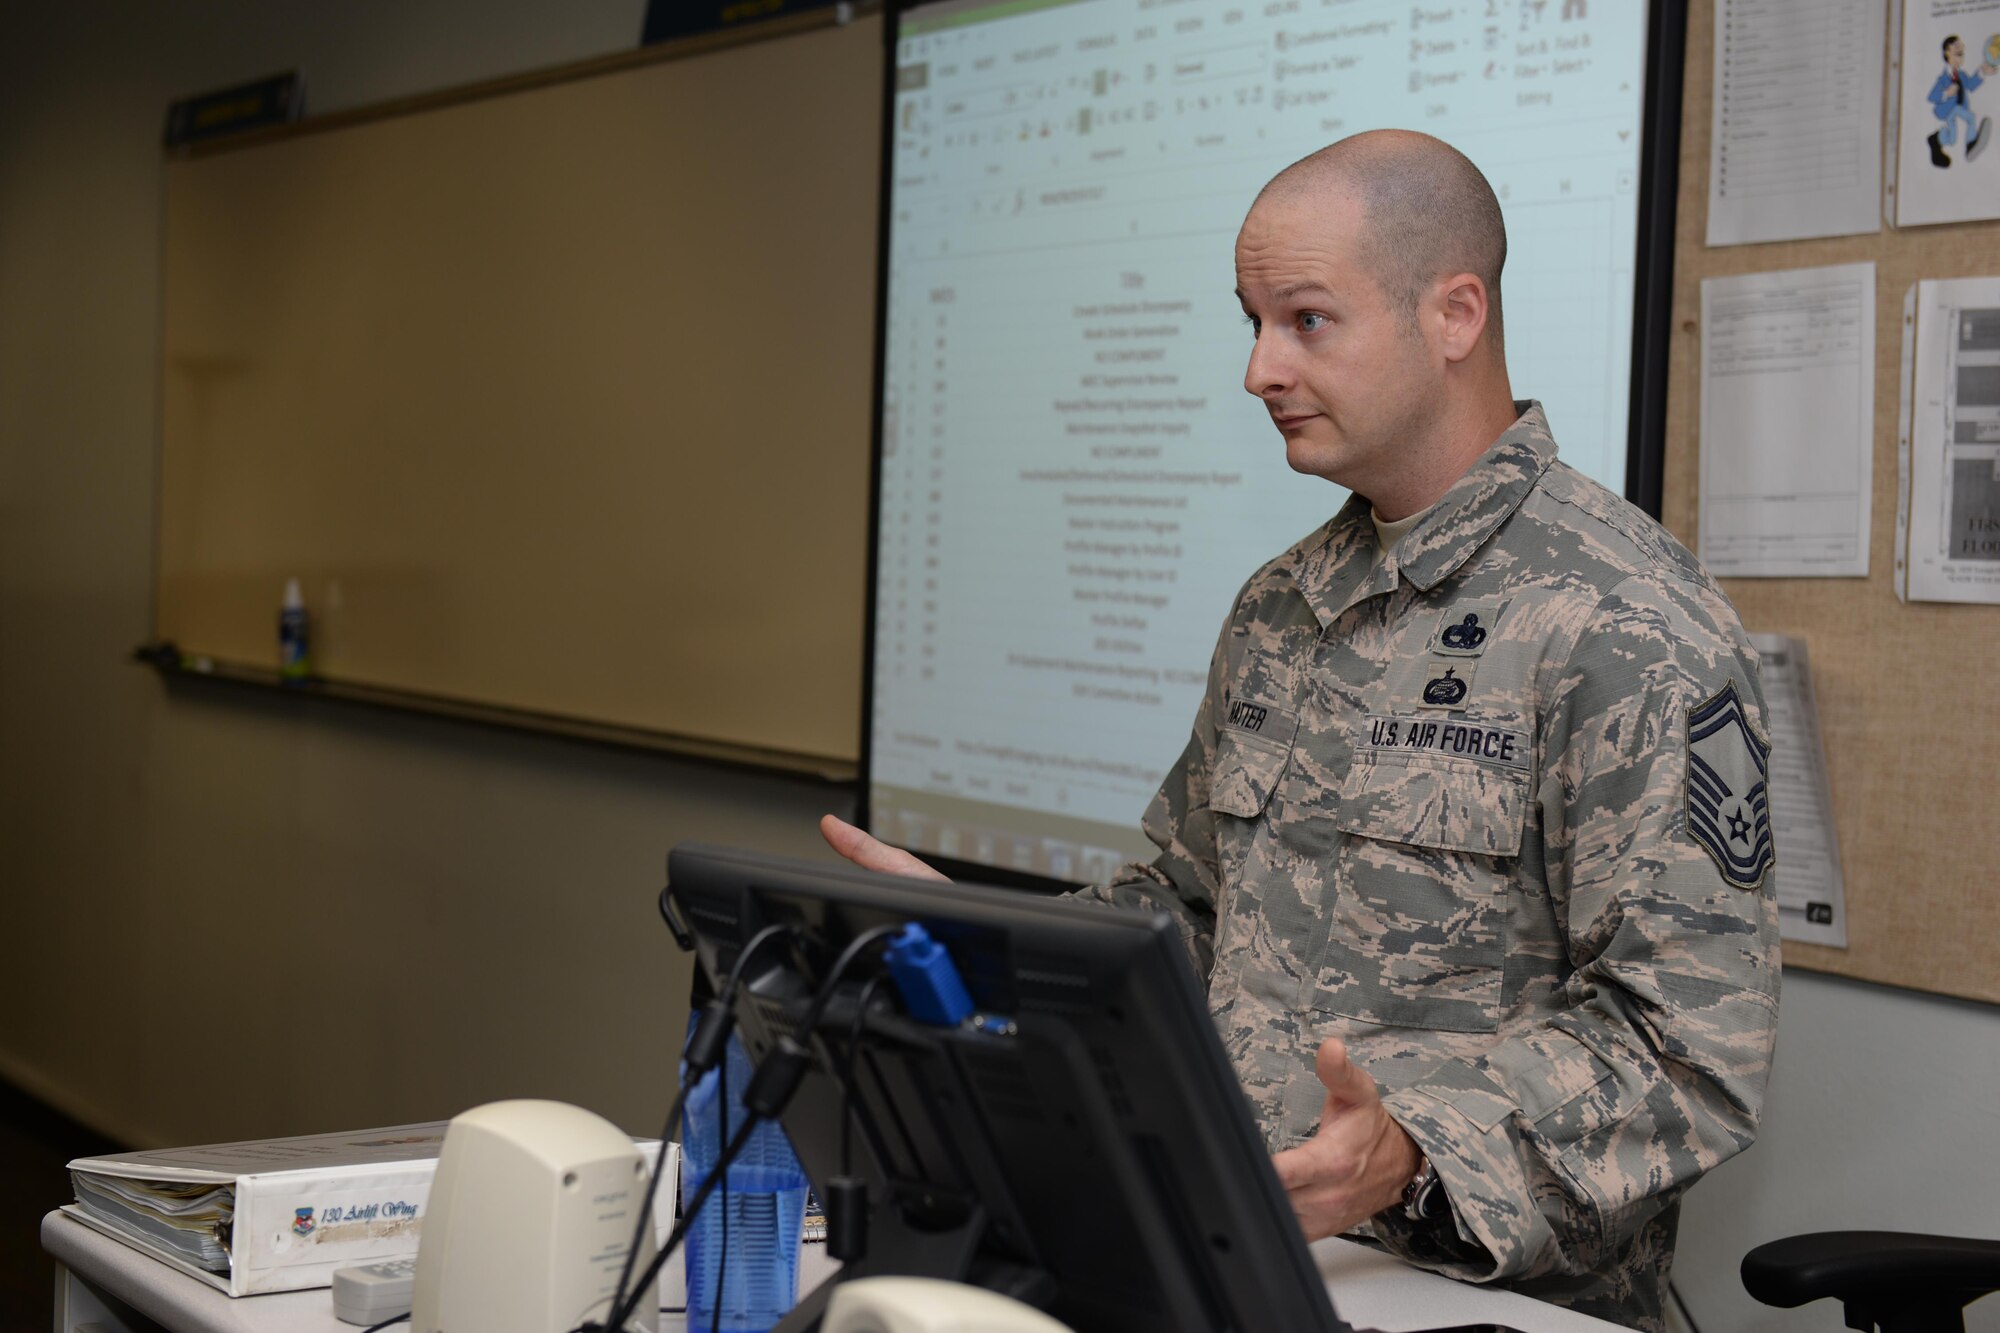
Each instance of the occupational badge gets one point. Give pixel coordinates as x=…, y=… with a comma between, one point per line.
x=1465, y=629
x=1447, y=684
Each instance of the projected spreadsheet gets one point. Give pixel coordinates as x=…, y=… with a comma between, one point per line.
x=1074, y=482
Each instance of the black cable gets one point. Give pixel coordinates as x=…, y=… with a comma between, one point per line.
x=376, y=1328
x=757, y=941
x=700, y=1059
x=728, y=997
x=770, y=1088
x=847, y=1072
x=840, y=965
x=845, y=1200
x=1686, y=1313
x=652, y=1191
x=674, y=1238
x=722, y=1250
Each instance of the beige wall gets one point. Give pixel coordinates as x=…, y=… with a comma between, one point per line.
x=225, y=916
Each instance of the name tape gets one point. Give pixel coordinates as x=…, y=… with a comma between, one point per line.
x=1260, y=719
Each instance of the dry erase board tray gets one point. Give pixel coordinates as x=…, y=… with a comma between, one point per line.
x=176, y=668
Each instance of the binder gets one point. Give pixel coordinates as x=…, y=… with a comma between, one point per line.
x=266, y=1215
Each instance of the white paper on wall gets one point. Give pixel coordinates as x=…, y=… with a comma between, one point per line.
x=1948, y=456
x=1812, y=895
x=1796, y=143
x=1946, y=100
x=1787, y=422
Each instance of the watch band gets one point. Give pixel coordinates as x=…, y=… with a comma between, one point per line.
x=1424, y=1198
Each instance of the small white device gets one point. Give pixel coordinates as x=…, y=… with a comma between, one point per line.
x=531, y=1213
x=926, y=1305
x=370, y=1293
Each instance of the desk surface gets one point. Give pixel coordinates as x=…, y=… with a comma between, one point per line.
x=1369, y=1288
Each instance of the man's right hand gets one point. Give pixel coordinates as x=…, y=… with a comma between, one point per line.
x=871, y=853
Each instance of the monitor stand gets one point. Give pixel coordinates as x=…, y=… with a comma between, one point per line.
x=900, y=1246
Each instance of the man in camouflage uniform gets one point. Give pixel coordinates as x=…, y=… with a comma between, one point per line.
x=1470, y=838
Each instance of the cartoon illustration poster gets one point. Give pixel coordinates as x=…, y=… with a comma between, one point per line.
x=1947, y=170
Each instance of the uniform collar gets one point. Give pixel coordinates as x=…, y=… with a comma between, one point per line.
x=1480, y=501
x=1340, y=567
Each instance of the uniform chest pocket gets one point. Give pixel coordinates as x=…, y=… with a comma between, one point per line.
x=1245, y=776
x=1417, y=926
x=1246, y=772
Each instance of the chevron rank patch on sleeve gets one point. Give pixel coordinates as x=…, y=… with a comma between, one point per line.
x=1728, y=800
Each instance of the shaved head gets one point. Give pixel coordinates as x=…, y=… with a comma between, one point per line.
x=1430, y=213
x=1369, y=274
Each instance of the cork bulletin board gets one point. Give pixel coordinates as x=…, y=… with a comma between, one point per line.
x=1909, y=694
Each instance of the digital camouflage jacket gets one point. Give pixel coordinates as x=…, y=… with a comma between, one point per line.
x=1492, y=810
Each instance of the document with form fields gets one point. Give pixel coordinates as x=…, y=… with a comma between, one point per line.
x=1787, y=422
x=1795, y=148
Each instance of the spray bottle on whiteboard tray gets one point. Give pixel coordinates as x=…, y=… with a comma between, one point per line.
x=294, y=646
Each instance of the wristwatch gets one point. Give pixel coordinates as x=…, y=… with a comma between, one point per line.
x=1424, y=1199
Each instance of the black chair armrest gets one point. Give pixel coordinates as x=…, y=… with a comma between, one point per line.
x=1894, y=1278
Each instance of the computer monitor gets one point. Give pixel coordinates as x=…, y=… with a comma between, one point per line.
x=1081, y=1142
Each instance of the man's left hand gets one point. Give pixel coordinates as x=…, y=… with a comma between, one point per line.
x=1359, y=1160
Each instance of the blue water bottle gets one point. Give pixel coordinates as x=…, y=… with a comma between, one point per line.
x=294, y=640
x=762, y=1211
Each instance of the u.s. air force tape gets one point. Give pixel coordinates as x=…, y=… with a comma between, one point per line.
x=1464, y=740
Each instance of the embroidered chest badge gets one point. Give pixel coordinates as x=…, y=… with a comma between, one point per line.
x=1448, y=683
x=1464, y=637
x=1728, y=795
x=1465, y=629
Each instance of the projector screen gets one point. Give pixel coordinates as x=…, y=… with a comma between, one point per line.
x=1072, y=482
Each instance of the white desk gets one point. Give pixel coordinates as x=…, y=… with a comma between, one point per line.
x=101, y=1282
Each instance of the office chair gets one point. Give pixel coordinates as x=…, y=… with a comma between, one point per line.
x=1890, y=1281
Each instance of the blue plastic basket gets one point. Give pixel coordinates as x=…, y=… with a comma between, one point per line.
x=765, y=1202
x=760, y=1283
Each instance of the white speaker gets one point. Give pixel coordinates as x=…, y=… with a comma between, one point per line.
x=925, y=1305
x=531, y=1213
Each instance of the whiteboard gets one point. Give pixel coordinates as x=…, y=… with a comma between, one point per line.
x=556, y=397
